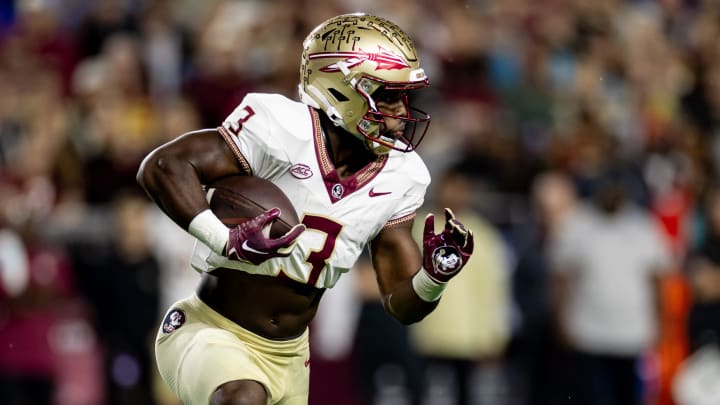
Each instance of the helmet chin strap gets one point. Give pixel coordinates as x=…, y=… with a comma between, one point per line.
x=343, y=66
x=377, y=148
x=316, y=98
x=331, y=111
x=305, y=98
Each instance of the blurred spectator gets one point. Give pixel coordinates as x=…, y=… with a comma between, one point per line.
x=463, y=341
x=704, y=275
x=35, y=133
x=534, y=359
x=216, y=83
x=695, y=381
x=166, y=50
x=101, y=21
x=387, y=369
x=333, y=339
x=118, y=123
x=48, y=348
x=608, y=261
x=690, y=385
x=39, y=32
x=121, y=281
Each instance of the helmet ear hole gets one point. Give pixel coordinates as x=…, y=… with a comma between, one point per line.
x=338, y=96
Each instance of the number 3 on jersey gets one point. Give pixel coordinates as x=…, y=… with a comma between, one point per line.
x=244, y=115
x=318, y=258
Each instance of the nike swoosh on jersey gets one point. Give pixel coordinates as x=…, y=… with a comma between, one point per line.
x=374, y=193
x=247, y=247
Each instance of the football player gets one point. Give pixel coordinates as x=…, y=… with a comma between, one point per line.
x=344, y=155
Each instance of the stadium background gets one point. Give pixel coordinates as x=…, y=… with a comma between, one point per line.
x=521, y=90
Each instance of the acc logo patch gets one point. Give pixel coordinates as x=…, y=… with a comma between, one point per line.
x=301, y=171
x=173, y=321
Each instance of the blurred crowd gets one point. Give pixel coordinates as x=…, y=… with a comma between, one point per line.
x=580, y=139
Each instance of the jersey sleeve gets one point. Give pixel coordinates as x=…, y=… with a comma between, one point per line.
x=406, y=212
x=414, y=196
x=250, y=132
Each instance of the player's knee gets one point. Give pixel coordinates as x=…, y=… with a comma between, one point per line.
x=242, y=392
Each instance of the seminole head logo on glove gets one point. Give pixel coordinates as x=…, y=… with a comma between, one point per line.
x=446, y=260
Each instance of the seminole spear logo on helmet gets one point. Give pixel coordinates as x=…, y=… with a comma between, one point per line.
x=384, y=59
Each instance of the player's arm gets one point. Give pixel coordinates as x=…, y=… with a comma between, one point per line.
x=411, y=283
x=396, y=258
x=173, y=175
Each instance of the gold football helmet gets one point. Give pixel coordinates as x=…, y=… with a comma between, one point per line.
x=349, y=59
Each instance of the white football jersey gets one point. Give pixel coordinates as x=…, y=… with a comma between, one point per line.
x=281, y=140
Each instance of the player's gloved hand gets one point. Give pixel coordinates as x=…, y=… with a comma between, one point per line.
x=249, y=241
x=444, y=254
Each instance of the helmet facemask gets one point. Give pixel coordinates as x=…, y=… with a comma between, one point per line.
x=410, y=127
x=351, y=60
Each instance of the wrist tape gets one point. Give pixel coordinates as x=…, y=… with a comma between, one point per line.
x=426, y=288
x=210, y=231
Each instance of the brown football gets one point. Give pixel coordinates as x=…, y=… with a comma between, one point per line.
x=236, y=199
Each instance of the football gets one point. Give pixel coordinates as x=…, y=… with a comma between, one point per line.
x=235, y=199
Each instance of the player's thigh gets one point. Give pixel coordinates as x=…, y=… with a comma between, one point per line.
x=240, y=392
x=195, y=366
